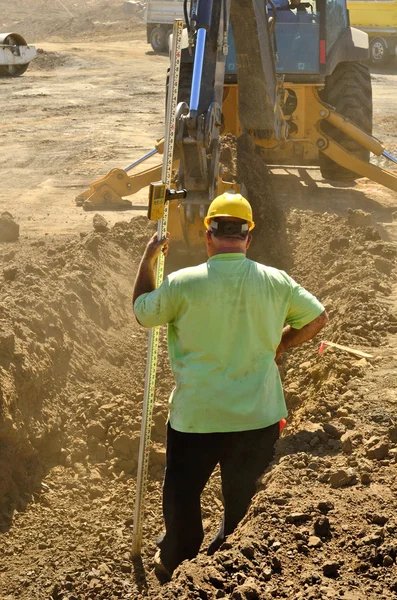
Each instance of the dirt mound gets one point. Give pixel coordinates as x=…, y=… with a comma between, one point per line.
x=47, y=61
x=58, y=305
x=71, y=379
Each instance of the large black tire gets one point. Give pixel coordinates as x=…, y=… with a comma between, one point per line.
x=157, y=39
x=348, y=89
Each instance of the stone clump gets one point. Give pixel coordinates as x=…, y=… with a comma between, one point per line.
x=9, y=229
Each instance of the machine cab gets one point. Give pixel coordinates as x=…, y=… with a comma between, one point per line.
x=305, y=32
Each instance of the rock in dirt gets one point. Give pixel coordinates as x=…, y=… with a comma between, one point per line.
x=249, y=590
x=298, y=517
x=9, y=229
x=359, y=218
x=343, y=478
x=100, y=224
x=335, y=430
x=125, y=445
x=325, y=507
x=365, y=478
x=393, y=434
x=10, y=272
x=92, y=243
x=330, y=569
x=96, y=429
x=314, y=542
x=322, y=527
x=383, y=265
x=378, y=450
x=7, y=343
x=157, y=454
x=347, y=442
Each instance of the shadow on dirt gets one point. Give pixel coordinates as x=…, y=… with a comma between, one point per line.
x=388, y=69
x=306, y=441
x=303, y=188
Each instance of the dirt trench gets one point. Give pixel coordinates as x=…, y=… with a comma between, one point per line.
x=72, y=357
x=71, y=382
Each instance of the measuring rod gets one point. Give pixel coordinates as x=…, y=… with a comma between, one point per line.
x=151, y=363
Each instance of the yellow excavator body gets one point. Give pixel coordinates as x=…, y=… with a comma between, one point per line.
x=302, y=147
x=288, y=108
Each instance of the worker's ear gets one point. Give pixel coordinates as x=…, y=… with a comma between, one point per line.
x=249, y=240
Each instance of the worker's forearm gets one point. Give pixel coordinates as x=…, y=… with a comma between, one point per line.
x=293, y=337
x=145, y=279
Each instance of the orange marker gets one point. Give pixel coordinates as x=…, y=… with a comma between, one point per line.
x=282, y=424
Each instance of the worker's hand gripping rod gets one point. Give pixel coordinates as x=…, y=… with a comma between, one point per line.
x=151, y=364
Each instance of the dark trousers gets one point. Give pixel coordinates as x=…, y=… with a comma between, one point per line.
x=191, y=458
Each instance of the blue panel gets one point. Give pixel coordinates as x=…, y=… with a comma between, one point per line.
x=298, y=43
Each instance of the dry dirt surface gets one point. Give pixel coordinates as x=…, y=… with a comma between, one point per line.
x=72, y=357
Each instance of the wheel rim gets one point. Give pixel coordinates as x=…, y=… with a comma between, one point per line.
x=156, y=38
x=378, y=51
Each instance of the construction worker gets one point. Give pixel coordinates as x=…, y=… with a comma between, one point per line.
x=228, y=320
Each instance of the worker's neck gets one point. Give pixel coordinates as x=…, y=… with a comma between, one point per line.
x=226, y=245
x=225, y=250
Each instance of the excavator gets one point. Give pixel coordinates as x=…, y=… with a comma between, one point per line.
x=288, y=74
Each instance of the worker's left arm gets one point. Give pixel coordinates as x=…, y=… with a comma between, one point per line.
x=293, y=337
x=152, y=306
x=305, y=317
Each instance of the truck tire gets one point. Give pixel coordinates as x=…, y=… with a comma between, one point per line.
x=157, y=39
x=348, y=89
x=168, y=35
x=379, y=52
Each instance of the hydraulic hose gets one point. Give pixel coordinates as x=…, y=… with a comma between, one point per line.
x=186, y=15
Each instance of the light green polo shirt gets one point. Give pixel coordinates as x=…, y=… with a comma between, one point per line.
x=225, y=319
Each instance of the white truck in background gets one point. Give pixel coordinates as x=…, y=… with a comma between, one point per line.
x=159, y=19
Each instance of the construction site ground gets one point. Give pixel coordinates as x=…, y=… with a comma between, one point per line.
x=72, y=357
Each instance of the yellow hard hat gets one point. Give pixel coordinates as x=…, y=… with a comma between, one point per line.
x=230, y=205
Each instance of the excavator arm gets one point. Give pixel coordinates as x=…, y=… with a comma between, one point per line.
x=108, y=192
x=199, y=120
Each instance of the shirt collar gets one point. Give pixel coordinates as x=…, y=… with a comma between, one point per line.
x=228, y=256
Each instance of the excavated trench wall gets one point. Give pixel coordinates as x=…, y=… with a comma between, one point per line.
x=72, y=367
x=68, y=327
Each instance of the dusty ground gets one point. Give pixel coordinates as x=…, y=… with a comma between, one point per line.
x=72, y=358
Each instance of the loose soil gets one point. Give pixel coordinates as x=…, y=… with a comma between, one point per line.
x=72, y=357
